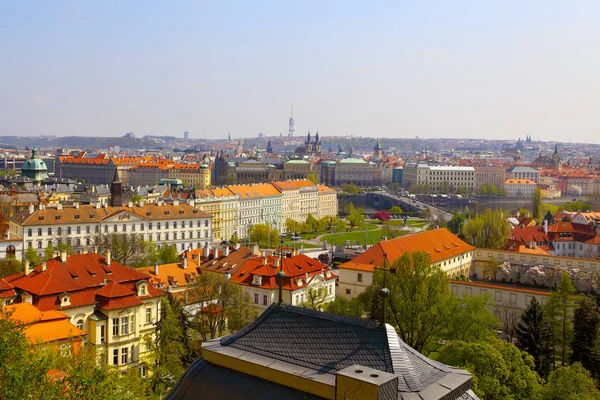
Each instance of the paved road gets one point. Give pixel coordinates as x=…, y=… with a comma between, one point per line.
x=438, y=212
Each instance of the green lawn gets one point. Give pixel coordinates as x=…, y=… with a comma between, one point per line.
x=339, y=239
x=298, y=244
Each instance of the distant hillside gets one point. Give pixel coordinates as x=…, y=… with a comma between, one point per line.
x=80, y=142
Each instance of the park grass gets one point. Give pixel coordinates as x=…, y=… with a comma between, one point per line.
x=340, y=238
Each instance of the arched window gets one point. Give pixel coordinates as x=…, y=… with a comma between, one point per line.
x=80, y=324
x=10, y=251
x=39, y=231
x=29, y=232
x=59, y=231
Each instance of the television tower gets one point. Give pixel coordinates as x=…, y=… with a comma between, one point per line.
x=291, y=124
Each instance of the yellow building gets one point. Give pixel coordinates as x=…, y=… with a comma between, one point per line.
x=115, y=305
x=223, y=206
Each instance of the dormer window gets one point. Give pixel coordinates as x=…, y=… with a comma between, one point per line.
x=142, y=289
x=257, y=280
x=299, y=282
x=64, y=299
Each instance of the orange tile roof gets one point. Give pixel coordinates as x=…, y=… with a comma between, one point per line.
x=519, y=182
x=440, y=244
x=325, y=189
x=45, y=326
x=168, y=274
x=293, y=184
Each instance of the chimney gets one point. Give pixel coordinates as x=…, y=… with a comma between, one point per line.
x=225, y=251
x=63, y=256
x=59, y=206
x=96, y=249
x=107, y=257
x=43, y=266
x=265, y=260
x=277, y=262
x=76, y=205
x=184, y=262
x=175, y=203
x=216, y=252
x=31, y=209
x=206, y=250
x=192, y=203
x=27, y=269
x=237, y=246
x=97, y=205
x=130, y=204
x=105, y=282
x=546, y=226
x=255, y=250
x=85, y=250
x=156, y=269
x=366, y=383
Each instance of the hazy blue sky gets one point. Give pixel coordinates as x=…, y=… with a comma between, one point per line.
x=494, y=69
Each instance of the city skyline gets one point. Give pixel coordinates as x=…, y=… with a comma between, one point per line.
x=496, y=70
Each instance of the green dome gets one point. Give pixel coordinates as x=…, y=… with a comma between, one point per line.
x=35, y=168
x=34, y=164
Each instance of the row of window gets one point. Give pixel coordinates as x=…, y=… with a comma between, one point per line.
x=115, y=228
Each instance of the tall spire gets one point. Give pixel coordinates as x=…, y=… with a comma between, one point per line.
x=291, y=123
x=556, y=149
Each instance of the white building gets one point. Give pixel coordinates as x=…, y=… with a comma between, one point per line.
x=178, y=224
x=306, y=281
x=328, y=204
x=438, y=177
x=520, y=172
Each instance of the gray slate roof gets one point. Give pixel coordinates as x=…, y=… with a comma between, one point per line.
x=299, y=341
x=321, y=341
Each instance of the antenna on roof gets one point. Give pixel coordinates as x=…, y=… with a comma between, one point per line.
x=384, y=292
x=280, y=274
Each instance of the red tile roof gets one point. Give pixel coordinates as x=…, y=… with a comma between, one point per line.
x=6, y=289
x=82, y=276
x=440, y=244
x=295, y=268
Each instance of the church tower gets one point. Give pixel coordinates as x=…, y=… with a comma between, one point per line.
x=378, y=151
x=116, y=190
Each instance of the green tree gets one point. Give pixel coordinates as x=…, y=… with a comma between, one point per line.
x=136, y=198
x=456, y=222
x=311, y=221
x=168, y=350
x=291, y=225
x=419, y=294
x=22, y=370
x=500, y=370
x=264, y=234
x=468, y=318
x=349, y=188
x=395, y=210
x=10, y=266
x=559, y=311
x=222, y=300
x=524, y=212
x=571, y=382
x=488, y=230
x=315, y=298
x=536, y=205
x=352, y=307
x=313, y=178
x=32, y=256
x=126, y=248
x=355, y=217
x=168, y=254
x=535, y=337
x=584, y=347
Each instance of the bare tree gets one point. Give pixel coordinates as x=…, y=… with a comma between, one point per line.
x=509, y=317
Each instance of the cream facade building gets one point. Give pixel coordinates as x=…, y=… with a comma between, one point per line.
x=223, y=206
x=328, y=203
x=114, y=304
x=178, y=224
x=519, y=188
x=446, y=250
x=438, y=176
